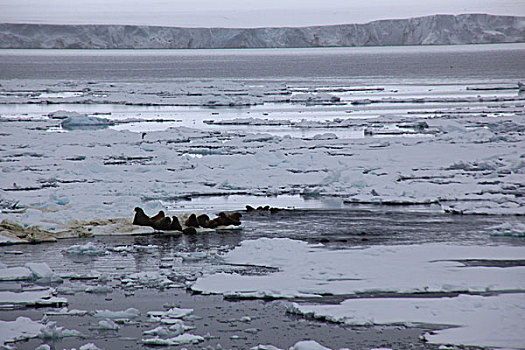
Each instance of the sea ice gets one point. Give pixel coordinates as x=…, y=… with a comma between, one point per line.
x=52, y=331
x=42, y=272
x=15, y=273
x=171, y=313
x=178, y=340
x=308, y=345
x=128, y=313
x=312, y=270
x=107, y=324
x=84, y=249
x=84, y=122
x=31, y=298
x=493, y=321
x=22, y=328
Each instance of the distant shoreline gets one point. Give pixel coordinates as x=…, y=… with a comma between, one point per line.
x=429, y=30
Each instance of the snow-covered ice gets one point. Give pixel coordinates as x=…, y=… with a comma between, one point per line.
x=128, y=313
x=312, y=270
x=182, y=339
x=22, y=328
x=171, y=313
x=492, y=321
x=43, y=297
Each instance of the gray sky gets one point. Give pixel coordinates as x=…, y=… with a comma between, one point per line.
x=240, y=13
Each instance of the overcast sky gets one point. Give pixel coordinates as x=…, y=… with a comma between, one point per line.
x=240, y=13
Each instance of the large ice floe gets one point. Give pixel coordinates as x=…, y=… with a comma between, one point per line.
x=458, y=286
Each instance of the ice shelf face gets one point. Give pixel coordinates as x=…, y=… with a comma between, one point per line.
x=430, y=30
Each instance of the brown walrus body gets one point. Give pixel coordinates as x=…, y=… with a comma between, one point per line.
x=162, y=224
x=175, y=224
x=203, y=220
x=141, y=219
x=191, y=221
x=159, y=215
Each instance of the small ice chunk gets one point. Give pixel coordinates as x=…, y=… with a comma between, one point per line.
x=43, y=347
x=22, y=328
x=15, y=274
x=265, y=347
x=84, y=249
x=171, y=313
x=178, y=340
x=128, y=313
x=108, y=324
x=42, y=271
x=52, y=331
x=308, y=345
x=62, y=114
x=85, y=122
x=29, y=298
x=89, y=346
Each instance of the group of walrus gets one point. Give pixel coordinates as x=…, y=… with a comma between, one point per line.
x=161, y=222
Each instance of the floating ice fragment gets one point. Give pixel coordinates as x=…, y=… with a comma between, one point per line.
x=62, y=114
x=108, y=324
x=85, y=122
x=150, y=279
x=84, y=249
x=65, y=311
x=51, y=331
x=176, y=329
x=128, y=313
x=31, y=298
x=43, y=347
x=42, y=272
x=178, y=340
x=265, y=347
x=89, y=346
x=308, y=345
x=15, y=274
x=171, y=313
x=22, y=328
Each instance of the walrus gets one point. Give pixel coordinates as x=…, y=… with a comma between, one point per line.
x=159, y=215
x=229, y=219
x=141, y=219
x=214, y=223
x=191, y=221
x=162, y=224
x=175, y=224
x=203, y=220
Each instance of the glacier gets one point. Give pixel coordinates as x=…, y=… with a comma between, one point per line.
x=428, y=30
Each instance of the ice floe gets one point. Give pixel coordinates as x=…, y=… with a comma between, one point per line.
x=412, y=271
x=84, y=122
x=84, y=249
x=182, y=339
x=312, y=270
x=22, y=328
x=171, y=313
x=492, y=321
x=44, y=297
x=124, y=314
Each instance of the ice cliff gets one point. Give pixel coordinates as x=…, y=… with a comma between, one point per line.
x=430, y=30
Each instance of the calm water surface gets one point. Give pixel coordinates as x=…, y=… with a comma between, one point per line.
x=502, y=61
